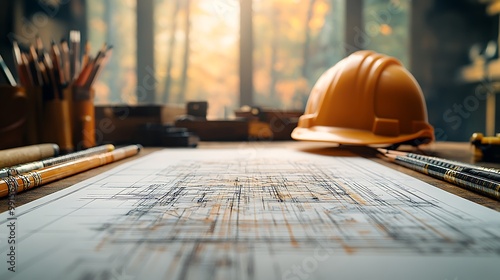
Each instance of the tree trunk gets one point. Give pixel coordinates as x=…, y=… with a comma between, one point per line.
x=274, y=53
x=307, y=42
x=246, y=53
x=170, y=56
x=185, y=60
x=113, y=82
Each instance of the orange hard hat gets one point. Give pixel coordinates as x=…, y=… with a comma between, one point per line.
x=367, y=98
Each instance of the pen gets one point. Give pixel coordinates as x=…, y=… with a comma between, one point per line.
x=23, y=168
x=490, y=173
x=15, y=184
x=478, y=184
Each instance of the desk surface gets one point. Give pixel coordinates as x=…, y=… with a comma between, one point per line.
x=449, y=150
x=255, y=210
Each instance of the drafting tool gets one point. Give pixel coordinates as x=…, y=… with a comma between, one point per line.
x=20, y=169
x=21, y=66
x=35, y=67
x=65, y=61
x=75, y=38
x=472, y=182
x=485, y=172
x=14, y=184
x=6, y=73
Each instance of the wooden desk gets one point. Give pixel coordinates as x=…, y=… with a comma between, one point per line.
x=455, y=151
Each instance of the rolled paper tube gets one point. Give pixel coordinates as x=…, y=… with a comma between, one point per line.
x=15, y=184
x=14, y=156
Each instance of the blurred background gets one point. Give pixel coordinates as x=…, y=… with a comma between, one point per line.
x=269, y=53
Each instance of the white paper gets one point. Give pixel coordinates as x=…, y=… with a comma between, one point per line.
x=251, y=214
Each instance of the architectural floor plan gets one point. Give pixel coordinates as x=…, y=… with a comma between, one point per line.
x=251, y=214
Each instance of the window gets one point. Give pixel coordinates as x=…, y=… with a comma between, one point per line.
x=114, y=22
x=196, y=44
x=386, y=26
x=196, y=53
x=295, y=42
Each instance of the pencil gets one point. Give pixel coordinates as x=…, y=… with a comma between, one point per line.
x=21, y=67
x=56, y=59
x=86, y=53
x=14, y=156
x=54, y=88
x=15, y=184
x=65, y=61
x=95, y=75
x=98, y=61
x=39, y=46
x=84, y=74
x=471, y=182
x=74, y=37
x=34, y=67
x=20, y=169
x=17, y=53
x=26, y=69
x=490, y=173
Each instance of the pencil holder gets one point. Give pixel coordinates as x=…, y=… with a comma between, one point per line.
x=83, y=118
x=57, y=120
x=34, y=115
x=13, y=115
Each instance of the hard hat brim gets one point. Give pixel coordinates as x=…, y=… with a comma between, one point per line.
x=349, y=136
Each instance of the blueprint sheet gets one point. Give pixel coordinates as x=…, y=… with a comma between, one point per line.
x=251, y=213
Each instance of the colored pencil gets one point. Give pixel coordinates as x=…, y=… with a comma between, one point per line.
x=15, y=184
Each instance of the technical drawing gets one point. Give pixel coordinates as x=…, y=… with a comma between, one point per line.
x=279, y=214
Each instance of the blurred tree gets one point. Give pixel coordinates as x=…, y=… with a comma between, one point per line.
x=185, y=60
x=387, y=26
x=170, y=55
